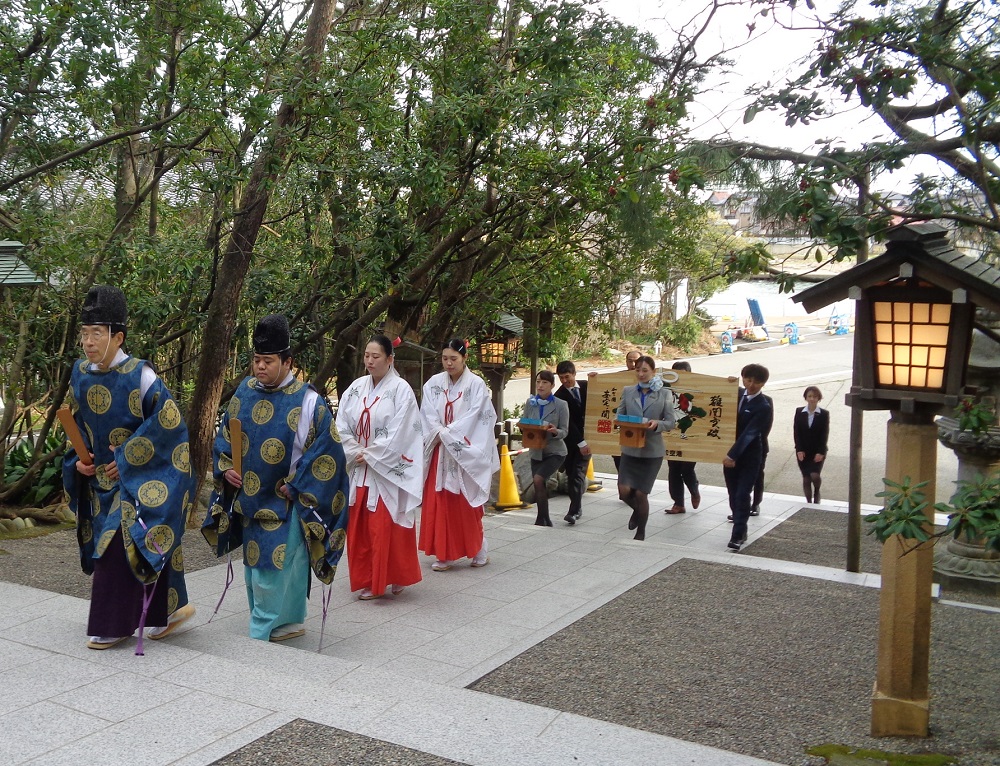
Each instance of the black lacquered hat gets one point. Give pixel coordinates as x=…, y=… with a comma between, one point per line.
x=271, y=335
x=104, y=305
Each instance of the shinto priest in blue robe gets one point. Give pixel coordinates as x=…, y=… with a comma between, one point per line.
x=289, y=437
x=127, y=415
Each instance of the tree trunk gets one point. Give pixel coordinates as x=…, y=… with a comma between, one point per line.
x=235, y=262
x=12, y=386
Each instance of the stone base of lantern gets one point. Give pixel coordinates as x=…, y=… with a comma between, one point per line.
x=967, y=566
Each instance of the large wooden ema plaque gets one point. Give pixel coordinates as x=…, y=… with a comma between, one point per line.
x=704, y=407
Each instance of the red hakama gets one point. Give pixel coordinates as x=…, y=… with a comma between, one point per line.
x=450, y=528
x=380, y=552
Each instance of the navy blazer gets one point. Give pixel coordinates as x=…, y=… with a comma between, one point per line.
x=766, y=428
x=752, y=422
x=577, y=411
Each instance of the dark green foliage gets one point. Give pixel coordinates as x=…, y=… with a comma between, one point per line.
x=974, y=510
x=47, y=485
x=683, y=333
x=975, y=417
x=903, y=513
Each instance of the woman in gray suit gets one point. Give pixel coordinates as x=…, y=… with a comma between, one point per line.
x=554, y=413
x=640, y=465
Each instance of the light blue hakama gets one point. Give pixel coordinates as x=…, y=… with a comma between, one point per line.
x=277, y=597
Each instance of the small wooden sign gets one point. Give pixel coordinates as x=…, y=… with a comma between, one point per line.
x=533, y=436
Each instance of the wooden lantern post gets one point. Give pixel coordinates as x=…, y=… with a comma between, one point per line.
x=914, y=318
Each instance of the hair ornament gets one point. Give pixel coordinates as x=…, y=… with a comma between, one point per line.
x=396, y=342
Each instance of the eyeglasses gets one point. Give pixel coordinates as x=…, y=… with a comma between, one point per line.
x=94, y=335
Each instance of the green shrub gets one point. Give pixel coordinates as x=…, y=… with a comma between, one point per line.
x=47, y=483
x=684, y=333
x=513, y=414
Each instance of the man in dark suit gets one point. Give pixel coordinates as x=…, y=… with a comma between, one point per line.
x=578, y=453
x=758, y=487
x=741, y=465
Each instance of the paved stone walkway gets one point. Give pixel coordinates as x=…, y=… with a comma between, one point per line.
x=394, y=669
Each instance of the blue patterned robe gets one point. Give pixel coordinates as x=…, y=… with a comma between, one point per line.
x=257, y=516
x=148, y=440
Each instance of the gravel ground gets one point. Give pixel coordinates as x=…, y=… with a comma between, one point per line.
x=52, y=562
x=304, y=743
x=759, y=663
x=814, y=536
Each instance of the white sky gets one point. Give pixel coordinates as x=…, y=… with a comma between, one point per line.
x=769, y=54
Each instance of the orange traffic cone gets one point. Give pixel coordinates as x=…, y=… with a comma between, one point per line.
x=509, y=498
x=593, y=485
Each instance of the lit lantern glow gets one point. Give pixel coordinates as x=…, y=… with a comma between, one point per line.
x=911, y=343
x=492, y=352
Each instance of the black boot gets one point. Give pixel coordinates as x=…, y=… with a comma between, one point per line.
x=640, y=532
x=542, y=502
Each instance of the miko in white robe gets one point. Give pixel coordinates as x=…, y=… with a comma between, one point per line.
x=381, y=422
x=460, y=455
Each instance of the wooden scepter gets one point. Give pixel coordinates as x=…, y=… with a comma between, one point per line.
x=236, y=440
x=75, y=437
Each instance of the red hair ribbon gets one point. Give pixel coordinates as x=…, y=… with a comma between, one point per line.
x=396, y=341
x=466, y=342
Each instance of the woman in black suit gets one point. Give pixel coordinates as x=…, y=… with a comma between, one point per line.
x=812, y=429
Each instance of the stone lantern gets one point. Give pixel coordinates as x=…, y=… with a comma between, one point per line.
x=961, y=562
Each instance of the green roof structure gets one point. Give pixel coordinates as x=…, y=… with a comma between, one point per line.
x=13, y=271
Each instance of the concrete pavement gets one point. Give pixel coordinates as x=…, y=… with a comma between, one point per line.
x=393, y=669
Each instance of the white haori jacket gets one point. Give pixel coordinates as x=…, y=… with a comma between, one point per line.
x=469, y=456
x=390, y=440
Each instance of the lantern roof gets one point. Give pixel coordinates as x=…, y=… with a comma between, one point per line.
x=510, y=324
x=930, y=254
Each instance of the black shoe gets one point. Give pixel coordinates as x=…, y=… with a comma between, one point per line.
x=570, y=519
x=633, y=522
x=755, y=511
x=730, y=518
x=736, y=544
